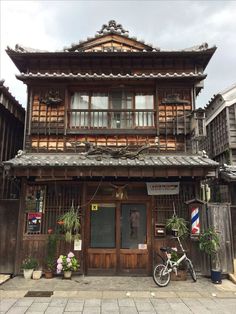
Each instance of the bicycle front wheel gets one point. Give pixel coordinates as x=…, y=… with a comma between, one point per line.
x=191, y=270
x=161, y=279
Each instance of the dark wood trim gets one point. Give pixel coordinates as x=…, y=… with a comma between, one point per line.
x=118, y=236
x=138, y=131
x=83, y=227
x=20, y=229
x=112, y=171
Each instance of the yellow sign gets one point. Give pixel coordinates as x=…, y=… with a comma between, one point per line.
x=94, y=206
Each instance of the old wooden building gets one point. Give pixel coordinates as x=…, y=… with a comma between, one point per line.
x=221, y=146
x=109, y=133
x=11, y=140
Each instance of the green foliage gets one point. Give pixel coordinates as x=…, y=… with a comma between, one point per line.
x=71, y=225
x=174, y=256
x=51, y=251
x=209, y=242
x=29, y=263
x=178, y=224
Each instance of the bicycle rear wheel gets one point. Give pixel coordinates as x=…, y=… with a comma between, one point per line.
x=191, y=270
x=159, y=278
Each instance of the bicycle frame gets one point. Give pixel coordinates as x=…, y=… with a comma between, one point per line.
x=173, y=265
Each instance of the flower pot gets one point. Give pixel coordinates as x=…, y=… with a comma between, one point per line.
x=48, y=274
x=181, y=275
x=28, y=273
x=37, y=274
x=67, y=274
x=216, y=276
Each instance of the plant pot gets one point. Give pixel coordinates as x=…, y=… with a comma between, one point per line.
x=48, y=274
x=67, y=274
x=37, y=274
x=181, y=275
x=216, y=276
x=28, y=273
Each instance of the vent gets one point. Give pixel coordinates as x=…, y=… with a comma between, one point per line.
x=39, y=294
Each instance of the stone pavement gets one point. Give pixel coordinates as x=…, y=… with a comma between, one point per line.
x=90, y=295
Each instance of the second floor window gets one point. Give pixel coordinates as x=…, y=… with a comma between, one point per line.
x=115, y=110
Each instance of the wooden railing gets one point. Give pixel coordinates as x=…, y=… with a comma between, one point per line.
x=110, y=119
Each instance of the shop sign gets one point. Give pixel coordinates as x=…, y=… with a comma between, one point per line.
x=162, y=188
x=94, y=207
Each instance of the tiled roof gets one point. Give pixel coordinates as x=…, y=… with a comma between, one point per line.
x=81, y=159
x=110, y=76
x=228, y=173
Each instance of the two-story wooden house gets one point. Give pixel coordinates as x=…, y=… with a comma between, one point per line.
x=109, y=132
x=12, y=117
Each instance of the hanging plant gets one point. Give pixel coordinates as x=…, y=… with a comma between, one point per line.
x=71, y=224
x=177, y=224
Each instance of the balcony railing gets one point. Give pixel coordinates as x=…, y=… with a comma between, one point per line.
x=110, y=119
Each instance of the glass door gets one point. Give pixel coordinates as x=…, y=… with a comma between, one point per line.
x=133, y=226
x=133, y=252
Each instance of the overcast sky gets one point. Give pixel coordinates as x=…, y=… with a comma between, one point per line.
x=52, y=25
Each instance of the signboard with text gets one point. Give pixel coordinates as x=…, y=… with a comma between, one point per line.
x=162, y=188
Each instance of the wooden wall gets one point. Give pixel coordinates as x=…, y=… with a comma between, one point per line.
x=48, y=126
x=11, y=138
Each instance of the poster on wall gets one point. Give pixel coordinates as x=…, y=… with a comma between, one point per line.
x=162, y=188
x=34, y=222
x=35, y=198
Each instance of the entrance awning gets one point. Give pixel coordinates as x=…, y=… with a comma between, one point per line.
x=82, y=165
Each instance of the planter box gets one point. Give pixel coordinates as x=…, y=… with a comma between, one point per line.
x=181, y=276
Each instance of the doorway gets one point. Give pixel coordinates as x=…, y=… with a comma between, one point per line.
x=118, y=238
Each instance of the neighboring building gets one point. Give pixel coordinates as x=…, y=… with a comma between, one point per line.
x=221, y=126
x=105, y=117
x=221, y=146
x=12, y=117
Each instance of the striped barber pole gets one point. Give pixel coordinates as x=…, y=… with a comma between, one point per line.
x=195, y=221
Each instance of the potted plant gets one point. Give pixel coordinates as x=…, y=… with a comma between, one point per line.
x=50, y=260
x=28, y=266
x=37, y=274
x=70, y=223
x=67, y=264
x=209, y=242
x=177, y=225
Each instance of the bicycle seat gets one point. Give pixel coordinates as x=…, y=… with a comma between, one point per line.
x=166, y=249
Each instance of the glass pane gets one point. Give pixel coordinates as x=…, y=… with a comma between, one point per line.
x=133, y=226
x=142, y=102
x=103, y=227
x=121, y=100
x=79, y=101
x=99, y=101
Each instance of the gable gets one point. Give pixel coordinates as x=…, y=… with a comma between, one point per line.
x=111, y=37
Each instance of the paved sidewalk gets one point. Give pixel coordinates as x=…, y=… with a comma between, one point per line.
x=89, y=295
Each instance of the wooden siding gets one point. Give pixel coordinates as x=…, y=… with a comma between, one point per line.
x=9, y=210
x=220, y=219
x=218, y=137
x=11, y=139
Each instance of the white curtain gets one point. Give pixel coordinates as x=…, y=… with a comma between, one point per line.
x=79, y=101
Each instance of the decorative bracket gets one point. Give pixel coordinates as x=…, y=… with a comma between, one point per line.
x=52, y=98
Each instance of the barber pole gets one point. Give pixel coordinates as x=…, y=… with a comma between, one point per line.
x=195, y=222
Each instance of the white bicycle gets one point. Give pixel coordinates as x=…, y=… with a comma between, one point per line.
x=161, y=272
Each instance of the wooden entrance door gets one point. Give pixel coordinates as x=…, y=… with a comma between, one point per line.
x=118, y=239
